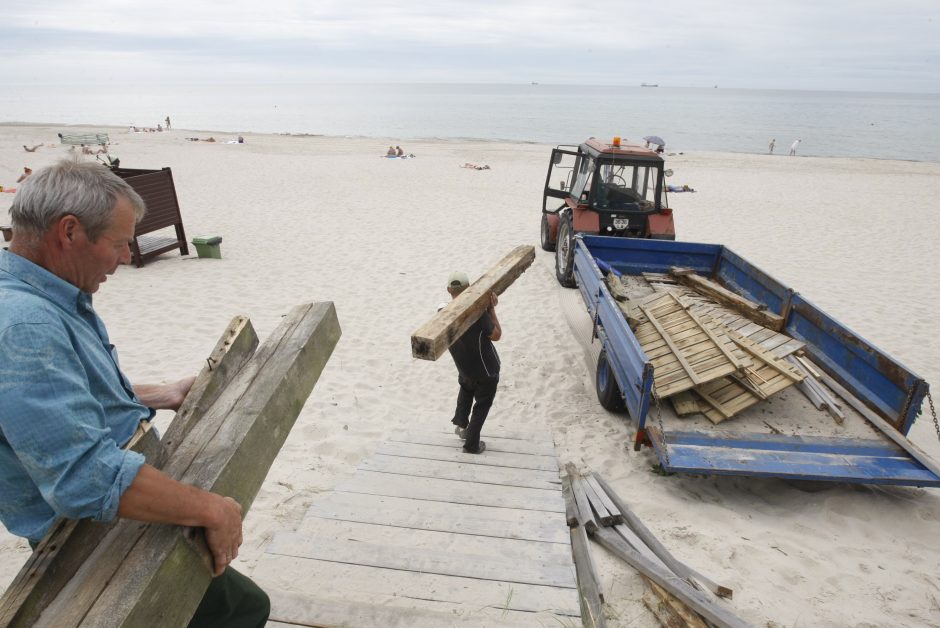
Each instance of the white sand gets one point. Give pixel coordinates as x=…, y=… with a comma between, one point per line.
x=328, y=219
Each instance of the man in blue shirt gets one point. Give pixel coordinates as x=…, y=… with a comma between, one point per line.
x=477, y=369
x=66, y=409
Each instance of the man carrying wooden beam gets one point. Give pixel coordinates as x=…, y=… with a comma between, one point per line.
x=66, y=409
x=477, y=369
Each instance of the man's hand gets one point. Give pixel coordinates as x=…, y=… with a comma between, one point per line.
x=164, y=396
x=493, y=300
x=225, y=536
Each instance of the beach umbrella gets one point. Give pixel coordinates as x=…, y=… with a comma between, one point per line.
x=655, y=139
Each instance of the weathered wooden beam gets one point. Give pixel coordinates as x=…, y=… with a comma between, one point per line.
x=433, y=338
x=589, y=589
x=644, y=534
x=69, y=543
x=709, y=608
x=680, y=615
x=582, y=509
x=754, y=311
x=151, y=574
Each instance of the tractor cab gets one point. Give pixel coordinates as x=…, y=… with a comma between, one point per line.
x=614, y=189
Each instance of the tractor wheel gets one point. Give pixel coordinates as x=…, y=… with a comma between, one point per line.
x=547, y=244
x=608, y=393
x=564, y=252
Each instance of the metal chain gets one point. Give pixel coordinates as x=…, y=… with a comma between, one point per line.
x=933, y=412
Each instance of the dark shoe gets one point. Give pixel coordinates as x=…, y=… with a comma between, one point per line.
x=461, y=432
x=480, y=449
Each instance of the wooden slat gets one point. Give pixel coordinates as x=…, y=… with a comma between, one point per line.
x=476, y=473
x=422, y=560
x=420, y=514
x=493, y=443
x=355, y=532
x=355, y=581
x=433, y=338
x=295, y=609
x=456, y=454
x=433, y=489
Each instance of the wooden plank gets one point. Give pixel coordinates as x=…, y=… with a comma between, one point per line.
x=433, y=338
x=711, y=333
x=616, y=516
x=355, y=532
x=295, y=609
x=493, y=443
x=694, y=599
x=686, y=616
x=511, y=523
x=582, y=507
x=685, y=403
x=754, y=311
x=456, y=454
x=589, y=589
x=452, y=491
x=686, y=367
x=599, y=507
x=649, y=539
x=69, y=543
x=228, y=452
x=766, y=357
x=423, y=560
x=477, y=473
x=341, y=580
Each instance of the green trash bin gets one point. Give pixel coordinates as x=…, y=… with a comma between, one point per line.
x=208, y=246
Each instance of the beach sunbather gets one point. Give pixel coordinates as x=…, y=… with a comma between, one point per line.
x=26, y=172
x=475, y=166
x=31, y=150
x=678, y=188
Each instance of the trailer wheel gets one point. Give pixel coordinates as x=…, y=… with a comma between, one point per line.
x=564, y=252
x=608, y=393
x=545, y=234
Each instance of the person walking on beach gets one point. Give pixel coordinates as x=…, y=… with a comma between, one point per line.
x=168, y=123
x=771, y=146
x=67, y=411
x=793, y=147
x=477, y=369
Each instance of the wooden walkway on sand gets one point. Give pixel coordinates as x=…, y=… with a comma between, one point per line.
x=426, y=535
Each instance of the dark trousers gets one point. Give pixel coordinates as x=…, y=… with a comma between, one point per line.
x=232, y=601
x=479, y=396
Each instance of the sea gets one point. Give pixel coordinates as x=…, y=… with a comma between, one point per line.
x=829, y=123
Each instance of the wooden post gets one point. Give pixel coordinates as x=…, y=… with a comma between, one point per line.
x=150, y=574
x=433, y=338
x=69, y=543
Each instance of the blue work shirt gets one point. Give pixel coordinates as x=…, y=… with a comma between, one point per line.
x=66, y=409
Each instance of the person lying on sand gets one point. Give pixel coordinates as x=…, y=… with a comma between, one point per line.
x=26, y=172
x=31, y=150
x=678, y=188
x=475, y=166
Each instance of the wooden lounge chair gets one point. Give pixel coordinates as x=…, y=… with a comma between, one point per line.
x=161, y=229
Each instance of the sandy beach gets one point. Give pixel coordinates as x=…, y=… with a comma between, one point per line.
x=329, y=219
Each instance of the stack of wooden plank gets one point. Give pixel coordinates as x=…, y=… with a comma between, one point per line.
x=684, y=597
x=713, y=351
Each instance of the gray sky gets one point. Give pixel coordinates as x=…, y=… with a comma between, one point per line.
x=890, y=45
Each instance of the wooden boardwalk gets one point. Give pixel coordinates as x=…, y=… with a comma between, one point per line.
x=426, y=535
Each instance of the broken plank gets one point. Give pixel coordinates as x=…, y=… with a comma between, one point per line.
x=685, y=403
x=433, y=338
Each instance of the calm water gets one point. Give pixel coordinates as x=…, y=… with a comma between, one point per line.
x=878, y=125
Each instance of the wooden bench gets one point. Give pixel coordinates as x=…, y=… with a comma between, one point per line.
x=88, y=139
x=153, y=235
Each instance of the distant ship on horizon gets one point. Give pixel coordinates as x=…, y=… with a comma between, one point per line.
x=649, y=84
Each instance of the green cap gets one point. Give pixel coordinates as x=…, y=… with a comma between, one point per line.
x=458, y=279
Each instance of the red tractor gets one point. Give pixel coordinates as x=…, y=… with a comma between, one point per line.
x=612, y=189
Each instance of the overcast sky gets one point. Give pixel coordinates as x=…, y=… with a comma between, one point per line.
x=891, y=45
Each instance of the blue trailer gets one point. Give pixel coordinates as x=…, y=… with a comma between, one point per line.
x=882, y=393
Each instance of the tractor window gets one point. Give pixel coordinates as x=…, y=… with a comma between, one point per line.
x=626, y=187
x=582, y=182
